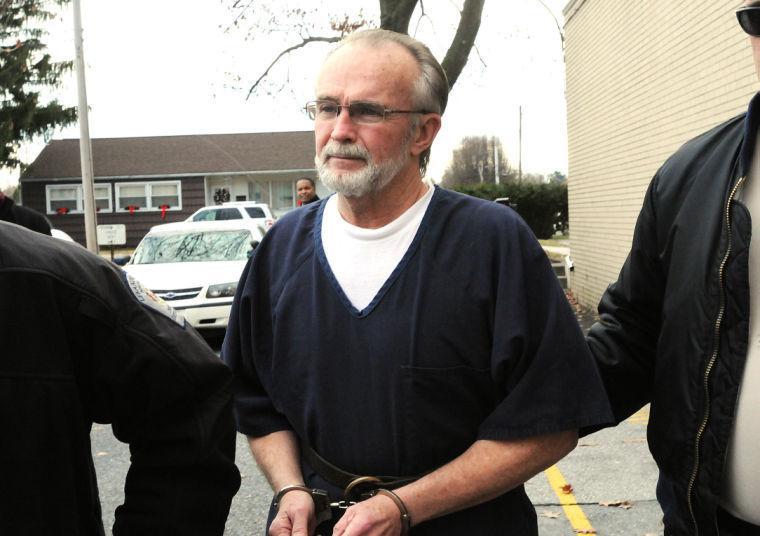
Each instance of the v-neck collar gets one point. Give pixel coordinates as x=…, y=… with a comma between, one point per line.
x=320, y=252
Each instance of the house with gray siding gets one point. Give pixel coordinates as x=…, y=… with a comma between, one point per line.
x=141, y=182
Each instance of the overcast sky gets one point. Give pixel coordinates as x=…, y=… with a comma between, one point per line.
x=168, y=67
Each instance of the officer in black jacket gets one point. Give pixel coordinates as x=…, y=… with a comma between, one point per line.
x=82, y=343
x=675, y=328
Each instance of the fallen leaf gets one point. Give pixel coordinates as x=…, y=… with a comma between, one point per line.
x=625, y=505
x=550, y=515
x=567, y=489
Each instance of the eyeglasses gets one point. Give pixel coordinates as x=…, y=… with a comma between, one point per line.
x=360, y=112
x=749, y=20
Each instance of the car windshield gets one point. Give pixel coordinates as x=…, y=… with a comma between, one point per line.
x=193, y=246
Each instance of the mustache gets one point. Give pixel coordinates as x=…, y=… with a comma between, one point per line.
x=344, y=150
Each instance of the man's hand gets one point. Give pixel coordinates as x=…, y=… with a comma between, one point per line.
x=378, y=516
x=295, y=516
x=277, y=456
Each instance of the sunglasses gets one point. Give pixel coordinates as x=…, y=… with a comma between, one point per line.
x=749, y=20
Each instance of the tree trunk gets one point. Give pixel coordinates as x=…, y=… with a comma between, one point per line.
x=459, y=50
x=396, y=14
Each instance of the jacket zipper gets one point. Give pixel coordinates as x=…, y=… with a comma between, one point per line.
x=713, y=357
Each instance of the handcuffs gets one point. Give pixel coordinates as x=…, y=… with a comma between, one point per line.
x=359, y=489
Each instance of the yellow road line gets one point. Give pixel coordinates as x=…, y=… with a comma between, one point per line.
x=574, y=513
x=640, y=417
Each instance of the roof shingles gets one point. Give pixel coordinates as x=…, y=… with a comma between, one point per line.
x=178, y=155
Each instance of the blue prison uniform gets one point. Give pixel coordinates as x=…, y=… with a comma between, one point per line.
x=471, y=337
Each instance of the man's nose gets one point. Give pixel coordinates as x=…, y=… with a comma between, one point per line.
x=344, y=129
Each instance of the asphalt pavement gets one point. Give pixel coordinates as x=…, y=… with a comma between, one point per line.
x=611, y=477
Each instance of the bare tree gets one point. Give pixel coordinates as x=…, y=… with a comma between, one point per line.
x=395, y=15
x=474, y=162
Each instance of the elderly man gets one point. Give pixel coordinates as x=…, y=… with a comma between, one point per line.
x=306, y=191
x=402, y=333
x=677, y=330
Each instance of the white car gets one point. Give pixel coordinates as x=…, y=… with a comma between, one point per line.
x=60, y=235
x=195, y=266
x=236, y=210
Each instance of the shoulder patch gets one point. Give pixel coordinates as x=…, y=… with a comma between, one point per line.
x=151, y=301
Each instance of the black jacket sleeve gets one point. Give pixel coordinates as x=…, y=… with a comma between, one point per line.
x=624, y=341
x=167, y=395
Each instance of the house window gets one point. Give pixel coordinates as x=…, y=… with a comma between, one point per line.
x=131, y=195
x=63, y=199
x=164, y=194
x=103, y=198
x=148, y=196
x=69, y=199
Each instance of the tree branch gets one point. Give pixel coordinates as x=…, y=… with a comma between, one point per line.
x=422, y=16
x=240, y=14
x=306, y=41
x=556, y=22
x=459, y=51
x=477, y=51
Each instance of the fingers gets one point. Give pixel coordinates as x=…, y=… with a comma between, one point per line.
x=280, y=526
x=301, y=525
x=340, y=526
x=373, y=517
x=295, y=516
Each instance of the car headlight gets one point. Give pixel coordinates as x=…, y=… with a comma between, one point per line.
x=225, y=290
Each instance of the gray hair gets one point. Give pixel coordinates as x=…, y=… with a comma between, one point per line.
x=431, y=89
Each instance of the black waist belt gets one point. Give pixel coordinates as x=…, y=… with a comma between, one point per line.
x=349, y=482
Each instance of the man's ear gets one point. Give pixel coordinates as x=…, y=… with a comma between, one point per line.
x=426, y=132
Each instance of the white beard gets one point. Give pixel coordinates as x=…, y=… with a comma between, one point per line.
x=372, y=178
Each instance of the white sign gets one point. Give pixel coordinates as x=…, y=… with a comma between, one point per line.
x=112, y=235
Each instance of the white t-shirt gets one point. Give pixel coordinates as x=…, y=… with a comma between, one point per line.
x=363, y=259
x=739, y=495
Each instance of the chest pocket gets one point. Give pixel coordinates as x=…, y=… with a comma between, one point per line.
x=443, y=408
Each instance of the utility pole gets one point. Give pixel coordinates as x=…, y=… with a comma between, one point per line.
x=85, y=147
x=519, y=151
